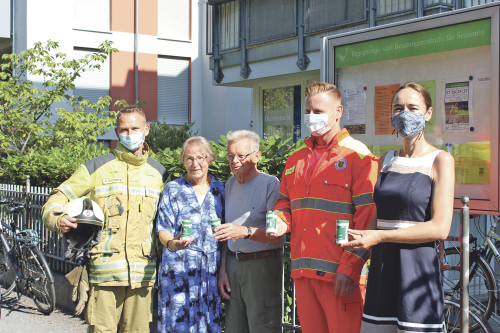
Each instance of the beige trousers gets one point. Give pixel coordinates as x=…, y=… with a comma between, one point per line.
x=109, y=306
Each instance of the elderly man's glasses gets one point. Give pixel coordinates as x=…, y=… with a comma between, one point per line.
x=199, y=159
x=241, y=157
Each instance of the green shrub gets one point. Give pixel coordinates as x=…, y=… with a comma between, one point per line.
x=48, y=168
x=162, y=136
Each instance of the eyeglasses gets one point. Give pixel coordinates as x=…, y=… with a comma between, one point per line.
x=240, y=157
x=199, y=159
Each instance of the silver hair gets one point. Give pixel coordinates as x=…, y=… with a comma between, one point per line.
x=243, y=134
x=200, y=142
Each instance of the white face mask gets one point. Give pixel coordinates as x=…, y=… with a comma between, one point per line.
x=132, y=142
x=318, y=123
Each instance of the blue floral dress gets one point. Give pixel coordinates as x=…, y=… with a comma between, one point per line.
x=188, y=297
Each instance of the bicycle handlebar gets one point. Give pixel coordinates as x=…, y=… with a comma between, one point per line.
x=10, y=203
x=7, y=226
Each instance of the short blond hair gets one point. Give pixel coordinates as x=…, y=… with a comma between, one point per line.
x=200, y=142
x=130, y=109
x=321, y=87
x=243, y=134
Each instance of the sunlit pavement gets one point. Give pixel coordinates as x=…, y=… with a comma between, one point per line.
x=23, y=317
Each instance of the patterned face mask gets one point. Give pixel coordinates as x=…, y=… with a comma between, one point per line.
x=408, y=123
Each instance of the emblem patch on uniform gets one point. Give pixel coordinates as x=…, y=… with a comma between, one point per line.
x=341, y=164
x=290, y=170
x=112, y=180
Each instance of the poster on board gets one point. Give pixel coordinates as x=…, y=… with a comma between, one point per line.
x=457, y=103
x=354, y=110
x=382, y=108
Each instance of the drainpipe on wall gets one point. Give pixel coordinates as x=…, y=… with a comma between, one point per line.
x=303, y=60
x=13, y=29
x=136, y=50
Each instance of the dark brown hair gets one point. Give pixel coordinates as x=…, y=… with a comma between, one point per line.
x=417, y=87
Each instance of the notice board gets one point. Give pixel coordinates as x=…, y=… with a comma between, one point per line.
x=456, y=57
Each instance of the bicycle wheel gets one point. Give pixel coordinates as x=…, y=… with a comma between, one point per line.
x=7, y=276
x=481, y=285
x=477, y=322
x=38, y=276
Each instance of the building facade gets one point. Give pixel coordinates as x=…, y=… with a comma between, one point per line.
x=273, y=47
x=160, y=60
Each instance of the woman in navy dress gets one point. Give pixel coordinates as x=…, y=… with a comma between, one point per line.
x=414, y=199
x=188, y=297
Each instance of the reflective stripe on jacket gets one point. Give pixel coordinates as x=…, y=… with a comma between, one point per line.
x=127, y=188
x=340, y=188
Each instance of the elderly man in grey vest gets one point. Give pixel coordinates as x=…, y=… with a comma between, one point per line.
x=250, y=267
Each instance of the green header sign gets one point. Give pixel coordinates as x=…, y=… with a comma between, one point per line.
x=449, y=38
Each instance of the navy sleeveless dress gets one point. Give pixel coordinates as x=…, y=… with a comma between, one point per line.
x=404, y=291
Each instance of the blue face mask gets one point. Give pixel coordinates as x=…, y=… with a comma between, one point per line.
x=132, y=142
x=408, y=123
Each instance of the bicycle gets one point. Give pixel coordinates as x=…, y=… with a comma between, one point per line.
x=452, y=317
x=482, y=281
x=19, y=253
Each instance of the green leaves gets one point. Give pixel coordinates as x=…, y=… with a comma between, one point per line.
x=50, y=167
x=26, y=107
x=28, y=119
x=274, y=155
x=162, y=135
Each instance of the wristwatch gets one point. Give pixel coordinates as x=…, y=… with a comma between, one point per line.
x=249, y=233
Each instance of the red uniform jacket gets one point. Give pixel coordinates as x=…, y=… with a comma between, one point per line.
x=340, y=188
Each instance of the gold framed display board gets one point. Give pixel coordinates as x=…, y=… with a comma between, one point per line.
x=455, y=55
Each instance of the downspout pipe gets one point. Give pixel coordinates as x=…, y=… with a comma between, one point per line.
x=136, y=51
x=13, y=27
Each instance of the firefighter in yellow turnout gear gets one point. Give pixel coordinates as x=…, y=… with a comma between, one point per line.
x=126, y=185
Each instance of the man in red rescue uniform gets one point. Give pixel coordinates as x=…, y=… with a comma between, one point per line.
x=331, y=179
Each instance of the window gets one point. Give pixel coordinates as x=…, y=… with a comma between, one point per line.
x=91, y=15
x=229, y=14
x=389, y=7
x=174, y=19
x=270, y=20
x=209, y=30
x=5, y=16
x=429, y=3
x=173, y=90
x=324, y=14
x=471, y=3
x=92, y=84
x=282, y=113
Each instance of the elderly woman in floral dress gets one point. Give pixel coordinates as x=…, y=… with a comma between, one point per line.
x=188, y=296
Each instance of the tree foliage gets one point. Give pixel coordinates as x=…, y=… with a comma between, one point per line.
x=31, y=84
x=162, y=135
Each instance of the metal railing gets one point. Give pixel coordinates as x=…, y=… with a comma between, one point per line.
x=292, y=326
x=34, y=198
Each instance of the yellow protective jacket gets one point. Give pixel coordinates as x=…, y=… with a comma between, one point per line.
x=126, y=254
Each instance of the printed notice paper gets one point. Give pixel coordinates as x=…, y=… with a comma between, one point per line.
x=354, y=110
x=457, y=102
x=382, y=109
